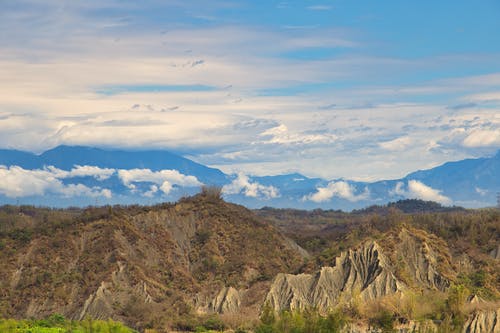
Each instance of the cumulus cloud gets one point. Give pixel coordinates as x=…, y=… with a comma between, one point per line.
x=83, y=171
x=398, y=189
x=281, y=135
x=418, y=190
x=396, y=144
x=340, y=189
x=74, y=190
x=153, y=189
x=165, y=179
x=242, y=184
x=18, y=182
x=480, y=191
x=483, y=138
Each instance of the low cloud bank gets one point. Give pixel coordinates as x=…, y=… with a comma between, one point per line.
x=340, y=189
x=18, y=182
x=164, y=179
x=242, y=184
x=418, y=190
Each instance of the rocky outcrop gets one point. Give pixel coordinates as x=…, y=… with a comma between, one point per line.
x=362, y=273
x=420, y=261
x=228, y=300
x=495, y=253
x=483, y=322
x=426, y=326
x=118, y=290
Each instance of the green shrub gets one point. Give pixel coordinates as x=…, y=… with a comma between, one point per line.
x=383, y=320
x=56, y=323
x=214, y=323
x=308, y=321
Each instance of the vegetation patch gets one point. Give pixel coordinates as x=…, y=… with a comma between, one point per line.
x=56, y=323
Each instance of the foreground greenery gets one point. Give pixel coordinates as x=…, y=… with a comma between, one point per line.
x=300, y=322
x=58, y=324
x=444, y=315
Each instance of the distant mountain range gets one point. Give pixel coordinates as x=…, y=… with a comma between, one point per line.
x=80, y=176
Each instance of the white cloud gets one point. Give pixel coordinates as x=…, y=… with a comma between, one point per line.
x=152, y=191
x=396, y=144
x=340, y=189
x=83, y=171
x=106, y=193
x=73, y=190
x=418, y=190
x=480, y=191
x=483, y=138
x=166, y=187
x=18, y=182
x=242, y=184
x=165, y=179
x=281, y=135
x=398, y=189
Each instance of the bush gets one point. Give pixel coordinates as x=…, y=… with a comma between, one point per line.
x=214, y=323
x=383, y=320
x=56, y=319
x=56, y=323
x=212, y=192
x=300, y=322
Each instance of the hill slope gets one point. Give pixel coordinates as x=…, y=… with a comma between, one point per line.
x=172, y=265
x=141, y=266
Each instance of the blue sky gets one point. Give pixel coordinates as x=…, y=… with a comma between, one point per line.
x=354, y=89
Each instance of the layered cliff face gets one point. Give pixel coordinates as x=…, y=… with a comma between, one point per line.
x=495, y=253
x=364, y=273
x=407, y=259
x=483, y=322
x=420, y=259
x=228, y=300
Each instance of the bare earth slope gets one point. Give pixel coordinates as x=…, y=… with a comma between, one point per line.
x=141, y=266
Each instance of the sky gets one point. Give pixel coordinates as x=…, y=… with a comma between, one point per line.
x=361, y=90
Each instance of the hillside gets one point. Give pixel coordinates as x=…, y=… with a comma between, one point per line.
x=144, y=266
x=431, y=265
x=205, y=262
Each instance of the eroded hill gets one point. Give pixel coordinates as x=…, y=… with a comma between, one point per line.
x=143, y=266
x=169, y=265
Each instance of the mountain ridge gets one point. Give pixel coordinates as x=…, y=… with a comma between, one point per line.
x=139, y=176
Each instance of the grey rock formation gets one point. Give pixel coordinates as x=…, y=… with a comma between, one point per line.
x=362, y=273
x=420, y=261
x=228, y=300
x=495, y=253
x=426, y=326
x=117, y=290
x=303, y=252
x=483, y=322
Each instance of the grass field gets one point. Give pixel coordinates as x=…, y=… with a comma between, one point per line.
x=58, y=324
